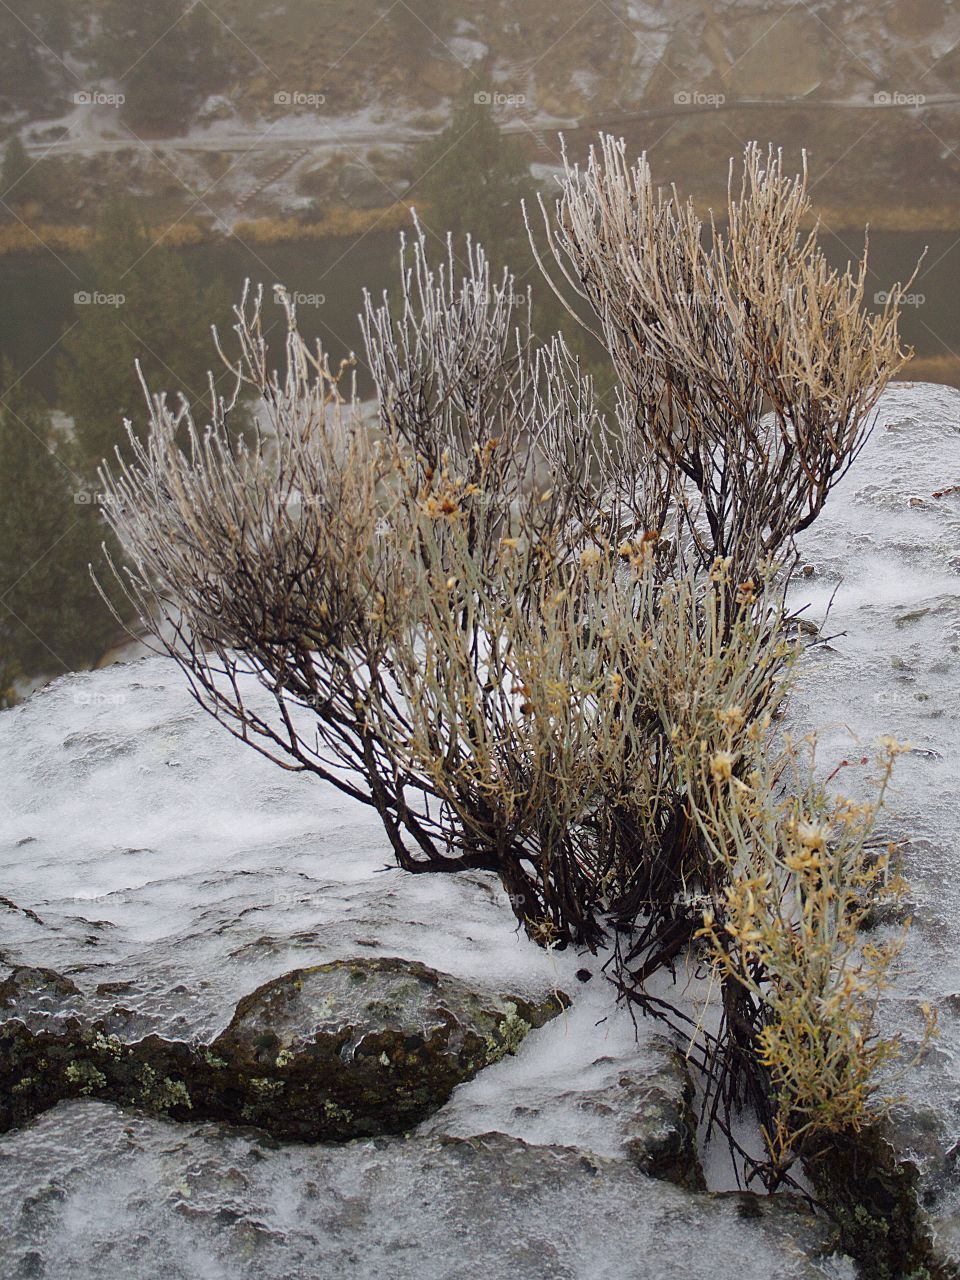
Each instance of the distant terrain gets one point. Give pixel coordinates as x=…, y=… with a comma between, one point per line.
x=319, y=104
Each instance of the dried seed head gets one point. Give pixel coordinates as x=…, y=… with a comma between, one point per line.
x=734, y=717
x=812, y=835
x=721, y=766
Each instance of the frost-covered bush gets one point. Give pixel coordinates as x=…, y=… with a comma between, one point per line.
x=548, y=644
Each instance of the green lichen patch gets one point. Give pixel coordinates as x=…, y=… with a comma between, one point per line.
x=344, y=1050
x=871, y=1197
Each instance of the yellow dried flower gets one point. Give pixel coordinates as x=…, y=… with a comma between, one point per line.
x=721, y=766
x=733, y=716
x=805, y=860
x=812, y=835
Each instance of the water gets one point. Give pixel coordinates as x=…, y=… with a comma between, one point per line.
x=38, y=292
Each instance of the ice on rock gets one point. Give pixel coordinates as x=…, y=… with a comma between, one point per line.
x=142, y=847
x=93, y=1192
x=585, y=1081
x=158, y=851
x=171, y=871
x=887, y=553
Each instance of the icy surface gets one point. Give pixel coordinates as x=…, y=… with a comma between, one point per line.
x=157, y=851
x=562, y=1085
x=888, y=552
x=95, y=1193
x=161, y=854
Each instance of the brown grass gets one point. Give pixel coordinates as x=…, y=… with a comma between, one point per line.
x=38, y=237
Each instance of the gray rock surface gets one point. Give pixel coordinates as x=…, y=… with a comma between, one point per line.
x=641, y=1109
x=163, y=873
x=94, y=1192
x=887, y=550
x=346, y=1049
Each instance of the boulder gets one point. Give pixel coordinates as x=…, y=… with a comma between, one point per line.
x=636, y=1106
x=335, y=1051
x=365, y=1046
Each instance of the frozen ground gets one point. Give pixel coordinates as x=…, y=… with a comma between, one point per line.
x=151, y=848
x=888, y=552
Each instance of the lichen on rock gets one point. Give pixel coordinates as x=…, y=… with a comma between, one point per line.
x=352, y=1048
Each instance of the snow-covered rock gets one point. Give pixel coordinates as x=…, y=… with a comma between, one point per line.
x=353, y=1048
x=93, y=1193
x=144, y=852
x=886, y=552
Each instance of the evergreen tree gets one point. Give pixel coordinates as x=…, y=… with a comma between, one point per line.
x=23, y=79
x=57, y=20
x=34, y=35
x=24, y=179
x=51, y=617
x=15, y=184
x=157, y=316
x=473, y=179
x=415, y=28
x=184, y=57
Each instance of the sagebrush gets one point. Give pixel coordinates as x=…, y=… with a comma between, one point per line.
x=550, y=641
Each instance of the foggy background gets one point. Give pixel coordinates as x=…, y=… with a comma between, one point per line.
x=156, y=156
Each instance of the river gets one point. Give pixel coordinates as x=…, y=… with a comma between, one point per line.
x=38, y=292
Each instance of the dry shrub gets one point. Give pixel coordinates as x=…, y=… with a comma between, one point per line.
x=749, y=364
x=802, y=869
x=547, y=644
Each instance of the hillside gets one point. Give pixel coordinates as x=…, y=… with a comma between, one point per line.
x=315, y=101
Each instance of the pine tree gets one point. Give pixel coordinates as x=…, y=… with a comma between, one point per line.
x=51, y=617
x=158, y=317
x=17, y=181
x=23, y=80
x=474, y=178
x=34, y=35
x=185, y=57
x=415, y=28
x=57, y=20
